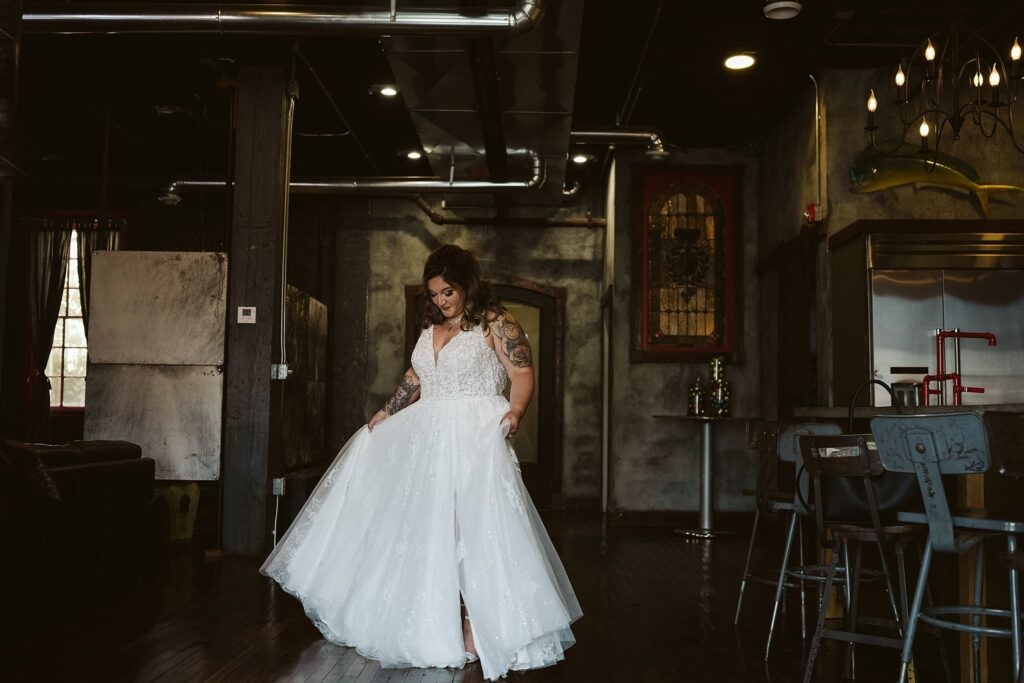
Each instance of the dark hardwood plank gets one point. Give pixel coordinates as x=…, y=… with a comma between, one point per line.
x=657, y=608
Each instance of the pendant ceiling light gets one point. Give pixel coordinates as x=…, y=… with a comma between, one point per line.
x=782, y=10
x=953, y=78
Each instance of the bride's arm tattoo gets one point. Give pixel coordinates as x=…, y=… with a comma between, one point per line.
x=513, y=341
x=403, y=395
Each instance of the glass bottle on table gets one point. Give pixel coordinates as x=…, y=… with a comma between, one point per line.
x=696, y=403
x=719, y=390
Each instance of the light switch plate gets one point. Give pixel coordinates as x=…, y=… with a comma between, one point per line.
x=247, y=315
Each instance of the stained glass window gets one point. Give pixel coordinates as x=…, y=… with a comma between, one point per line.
x=687, y=285
x=685, y=264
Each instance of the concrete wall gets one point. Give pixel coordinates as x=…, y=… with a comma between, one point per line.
x=397, y=240
x=655, y=462
x=845, y=93
x=789, y=180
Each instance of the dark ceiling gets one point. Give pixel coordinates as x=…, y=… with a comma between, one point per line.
x=682, y=88
x=72, y=86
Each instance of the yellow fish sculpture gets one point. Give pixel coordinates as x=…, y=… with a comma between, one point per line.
x=874, y=172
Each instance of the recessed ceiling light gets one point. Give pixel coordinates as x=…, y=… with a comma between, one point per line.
x=580, y=158
x=387, y=90
x=414, y=155
x=786, y=9
x=740, y=61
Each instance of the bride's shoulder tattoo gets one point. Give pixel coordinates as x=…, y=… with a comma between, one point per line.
x=512, y=340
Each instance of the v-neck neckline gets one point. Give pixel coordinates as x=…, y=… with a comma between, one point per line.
x=437, y=352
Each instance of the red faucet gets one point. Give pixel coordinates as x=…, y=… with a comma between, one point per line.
x=940, y=365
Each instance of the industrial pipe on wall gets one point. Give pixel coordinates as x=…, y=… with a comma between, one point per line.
x=278, y=19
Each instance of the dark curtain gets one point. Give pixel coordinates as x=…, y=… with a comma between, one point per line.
x=48, y=267
x=90, y=240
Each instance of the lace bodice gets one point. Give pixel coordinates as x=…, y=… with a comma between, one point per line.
x=466, y=366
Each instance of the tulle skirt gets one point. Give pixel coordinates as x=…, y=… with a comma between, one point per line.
x=428, y=509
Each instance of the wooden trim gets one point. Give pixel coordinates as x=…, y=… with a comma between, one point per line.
x=733, y=520
x=582, y=503
x=922, y=226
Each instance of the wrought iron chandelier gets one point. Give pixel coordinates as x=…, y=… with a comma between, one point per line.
x=952, y=78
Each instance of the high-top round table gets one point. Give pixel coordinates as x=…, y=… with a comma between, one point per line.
x=705, y=527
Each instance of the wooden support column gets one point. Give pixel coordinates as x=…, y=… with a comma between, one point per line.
x=257, y=230
x=10, y=36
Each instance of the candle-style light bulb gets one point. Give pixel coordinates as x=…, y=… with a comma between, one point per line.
x=1015, y=50
x=978, y=80
x=993, y=78
x=924, y=129
x=901, y=78
x=929, y=51
x=872, y=102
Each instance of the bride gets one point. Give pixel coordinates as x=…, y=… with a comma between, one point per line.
x=420, y=546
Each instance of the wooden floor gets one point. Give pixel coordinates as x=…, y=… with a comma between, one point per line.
x=656, y=608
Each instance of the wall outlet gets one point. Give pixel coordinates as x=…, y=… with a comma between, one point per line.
x=278, y=486
x=247, y=315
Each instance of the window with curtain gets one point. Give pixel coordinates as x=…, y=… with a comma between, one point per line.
x=67, y=363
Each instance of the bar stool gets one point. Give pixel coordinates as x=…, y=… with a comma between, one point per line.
x=788, y=451
x=933, y=446
x=764, y=437
x=853, y=503
x=1006, y=439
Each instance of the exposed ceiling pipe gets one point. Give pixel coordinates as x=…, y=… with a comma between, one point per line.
x=622, y=136
x=439, y=218
x=279, y=19
x=171, y=195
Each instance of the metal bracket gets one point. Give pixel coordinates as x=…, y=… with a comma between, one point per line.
x=279, y=371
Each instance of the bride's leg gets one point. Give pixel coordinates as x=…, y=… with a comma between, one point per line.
x=467, y=633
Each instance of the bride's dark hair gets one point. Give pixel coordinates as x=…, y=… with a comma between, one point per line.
x=459, y=268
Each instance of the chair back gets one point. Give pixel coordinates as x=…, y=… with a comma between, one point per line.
x=763, y=436
x=845, y=458
x=930, y=446
x=1006, y=439
x=789, y=451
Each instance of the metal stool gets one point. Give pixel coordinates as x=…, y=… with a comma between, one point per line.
x=788, y=451
x=846, y=513
x=764, y=436
x=1006, y=439
x=953, y=444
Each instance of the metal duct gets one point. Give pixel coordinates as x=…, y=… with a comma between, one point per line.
x=440, y=218
x=378, y=186
x=279, y=19
x=622, y=136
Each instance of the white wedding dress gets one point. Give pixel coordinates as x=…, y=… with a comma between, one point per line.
x=427, y=507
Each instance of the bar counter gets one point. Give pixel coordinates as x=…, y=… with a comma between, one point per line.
x=837, y=412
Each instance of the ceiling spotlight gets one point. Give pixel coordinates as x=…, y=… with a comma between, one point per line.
x=385, y=90
x=741, y=61
x=580, y=158
x=782, y=10
x=414, y=155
